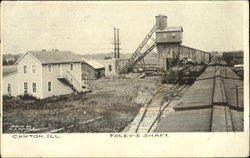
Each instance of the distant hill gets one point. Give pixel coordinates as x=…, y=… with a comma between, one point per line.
x=10, y=59
x=101, y=56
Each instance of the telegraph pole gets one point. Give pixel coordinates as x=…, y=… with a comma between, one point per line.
x=118, y=44
x=115, y=42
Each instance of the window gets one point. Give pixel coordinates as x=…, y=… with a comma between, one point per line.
x=24, y=69
x=9, y=89
x=110, y=67
x=34, y=87
x=33, y=68
x=49, y=87
x=173, y=35
x=49, y=68
x=25, y=85
x=71, y=67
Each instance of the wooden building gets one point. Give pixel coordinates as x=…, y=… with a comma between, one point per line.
x=44, y=74
x=92, y=69
x=113, y=66
x=168, y=41
x=233, y=58
x=170, y=48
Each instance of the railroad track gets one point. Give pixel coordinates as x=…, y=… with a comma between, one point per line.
x=210, y=105
x=162, y=109
x=153, y=111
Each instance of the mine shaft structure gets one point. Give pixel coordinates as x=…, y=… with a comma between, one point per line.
x=169, y=40
x=146, y=46
x=166, y=37
x=169, y=47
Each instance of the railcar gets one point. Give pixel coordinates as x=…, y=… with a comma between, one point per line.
x=173, y=75
x=150, y=71
x=191, y=73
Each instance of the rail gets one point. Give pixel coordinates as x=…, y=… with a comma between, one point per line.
x=162, y=110
x=145, y=111
x=175, y=86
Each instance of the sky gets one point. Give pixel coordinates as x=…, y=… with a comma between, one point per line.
x=87, y=27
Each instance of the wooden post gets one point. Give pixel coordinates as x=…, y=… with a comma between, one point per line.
x=115, y=43
x=118, y=44
x=86, y=82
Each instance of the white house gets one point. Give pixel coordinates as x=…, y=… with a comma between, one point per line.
x=9, y=86
x=44, y=74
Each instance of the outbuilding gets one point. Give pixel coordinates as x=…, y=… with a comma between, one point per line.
x=92, y=69
x=113, y=66
x=233, y=58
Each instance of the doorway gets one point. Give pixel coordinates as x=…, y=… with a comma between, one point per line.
x=168, y=63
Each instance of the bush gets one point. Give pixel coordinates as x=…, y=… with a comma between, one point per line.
x=7, y=97
x=27, y=97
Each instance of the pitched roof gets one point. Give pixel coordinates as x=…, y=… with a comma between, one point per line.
x=171, y=28
x=93, y=63
x=9, y=69
x=52, y=57
x=47, y=57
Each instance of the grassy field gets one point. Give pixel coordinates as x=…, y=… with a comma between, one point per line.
x=111, y=99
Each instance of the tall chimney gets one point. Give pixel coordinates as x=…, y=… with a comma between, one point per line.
x=115, y=42
x=161, y=22
x=118, y=49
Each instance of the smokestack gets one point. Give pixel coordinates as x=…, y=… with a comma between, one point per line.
x=118, y=49
x=161, y=22
x=115, y=42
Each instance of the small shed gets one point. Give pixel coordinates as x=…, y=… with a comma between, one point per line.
x=113, y=66
x=233, y=58
x=92, y=69
x=110, y=67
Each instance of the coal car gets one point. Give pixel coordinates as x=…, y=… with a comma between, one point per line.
x=191, y=73
x=174, y=75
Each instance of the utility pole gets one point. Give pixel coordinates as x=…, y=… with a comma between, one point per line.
x=115, y=42
x=118, y=44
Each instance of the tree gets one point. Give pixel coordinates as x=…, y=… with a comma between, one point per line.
x=107, y=57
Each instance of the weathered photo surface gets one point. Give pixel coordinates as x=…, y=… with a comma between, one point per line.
x=124, y=79
x=87, y=67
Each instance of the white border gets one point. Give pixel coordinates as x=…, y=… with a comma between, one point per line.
x=175, y=144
